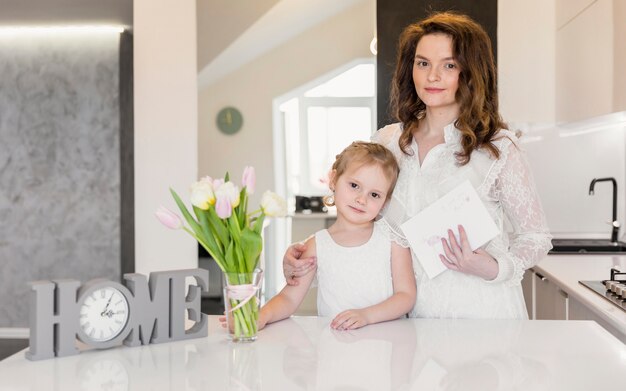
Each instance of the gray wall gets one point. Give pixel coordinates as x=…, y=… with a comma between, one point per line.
x=59, y=163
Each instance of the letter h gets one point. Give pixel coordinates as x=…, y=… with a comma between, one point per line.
x=53, y=319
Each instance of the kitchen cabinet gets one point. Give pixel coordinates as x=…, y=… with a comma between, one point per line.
x=579, y=311
x=550, y=301
x=529, y=292
x=303, y=226
x=559, y=295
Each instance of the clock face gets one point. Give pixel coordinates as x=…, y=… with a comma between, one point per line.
x=103, y=314
x=229, y=120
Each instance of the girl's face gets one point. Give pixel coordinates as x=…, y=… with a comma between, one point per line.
x=435, y=72
x=361, y=192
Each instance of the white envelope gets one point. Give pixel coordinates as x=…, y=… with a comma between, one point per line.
x=460, y=206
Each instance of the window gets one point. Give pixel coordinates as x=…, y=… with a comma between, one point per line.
x=311, y=125
x=321, y=120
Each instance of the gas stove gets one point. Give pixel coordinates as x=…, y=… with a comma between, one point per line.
x=613, y=289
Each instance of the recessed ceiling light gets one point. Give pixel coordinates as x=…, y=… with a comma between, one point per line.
x=21, y=30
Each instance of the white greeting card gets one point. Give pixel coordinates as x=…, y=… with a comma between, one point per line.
x=460, y=206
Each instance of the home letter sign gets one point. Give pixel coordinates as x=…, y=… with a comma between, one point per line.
x=103, y=313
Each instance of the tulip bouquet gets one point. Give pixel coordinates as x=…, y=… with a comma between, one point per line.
x=222, y=225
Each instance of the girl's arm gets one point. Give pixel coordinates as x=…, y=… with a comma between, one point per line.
x=400, y=303
x=287, y=301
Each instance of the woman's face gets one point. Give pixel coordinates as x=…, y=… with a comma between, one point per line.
x=435, y=72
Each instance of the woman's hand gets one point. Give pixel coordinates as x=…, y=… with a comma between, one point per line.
x=293, y=266
x=461, y=258
x=349, y=320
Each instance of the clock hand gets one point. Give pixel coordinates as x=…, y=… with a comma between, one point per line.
x=107, y=306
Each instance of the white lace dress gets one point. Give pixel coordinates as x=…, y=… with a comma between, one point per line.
x=353, y=277
x=506, y=188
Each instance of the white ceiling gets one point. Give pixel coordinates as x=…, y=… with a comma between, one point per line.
x=230, y=33
x=283, y=21
x=220, y=22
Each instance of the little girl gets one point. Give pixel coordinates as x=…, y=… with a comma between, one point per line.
x=363, y=277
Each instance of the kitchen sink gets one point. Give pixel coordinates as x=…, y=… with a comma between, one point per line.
x=586, y=246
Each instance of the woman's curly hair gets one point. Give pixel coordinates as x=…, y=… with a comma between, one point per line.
x=479, y=119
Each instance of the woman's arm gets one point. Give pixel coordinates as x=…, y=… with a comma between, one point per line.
x=297, y=264
x=515, y=190
x=531, y=239
x=287, y=301
x=400, y=303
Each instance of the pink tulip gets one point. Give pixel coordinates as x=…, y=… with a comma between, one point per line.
x=168, y=218
x=223, y=208
x=217, y=183
x=249, y=179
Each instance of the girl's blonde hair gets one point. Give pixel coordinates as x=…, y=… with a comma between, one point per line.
x=364, y=153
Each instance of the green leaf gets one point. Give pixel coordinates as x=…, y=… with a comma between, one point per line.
x=242, y=207
x=220, y=262
x=251, y=246
x=232, y=263
x=183, y=209
x=219, y=227
x=226, y=177
x=209, y=236
x=241, y=261
x=234, y=230
x=258, y=224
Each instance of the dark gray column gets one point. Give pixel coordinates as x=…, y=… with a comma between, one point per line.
x=127, y=162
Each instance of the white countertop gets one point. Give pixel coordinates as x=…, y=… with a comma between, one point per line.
x=566, y=270
x=304, y=353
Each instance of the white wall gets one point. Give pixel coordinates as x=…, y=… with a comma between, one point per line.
x=584, y=61
x=565, y=158
x=526, y=60
x=166, y=130
x=619, y=53
x=560, y=74
x=253, y=88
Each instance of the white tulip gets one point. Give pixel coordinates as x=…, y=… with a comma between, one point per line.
x=202, y=195
x=273, y=205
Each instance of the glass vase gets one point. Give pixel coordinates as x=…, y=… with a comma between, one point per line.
x=242, y=297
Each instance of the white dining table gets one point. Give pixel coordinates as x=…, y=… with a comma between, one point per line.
x=304, y=353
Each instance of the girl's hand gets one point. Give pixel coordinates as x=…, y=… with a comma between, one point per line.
x=461, y=258
x=293, y=266
x=349, y=320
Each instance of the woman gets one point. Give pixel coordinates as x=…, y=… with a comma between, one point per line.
x=444, y=95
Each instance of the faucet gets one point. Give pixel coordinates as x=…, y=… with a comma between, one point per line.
x=614, y=223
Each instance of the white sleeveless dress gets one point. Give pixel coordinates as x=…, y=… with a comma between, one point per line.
x=353, y=277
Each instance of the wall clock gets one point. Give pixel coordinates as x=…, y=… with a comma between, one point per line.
x=229, y=120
